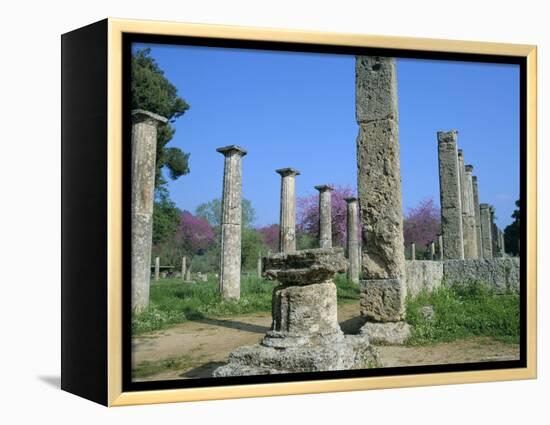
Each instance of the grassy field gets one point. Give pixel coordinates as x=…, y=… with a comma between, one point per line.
x=462, y=312
x=174, y=302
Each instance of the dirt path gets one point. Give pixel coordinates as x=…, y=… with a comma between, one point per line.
x=195, y=348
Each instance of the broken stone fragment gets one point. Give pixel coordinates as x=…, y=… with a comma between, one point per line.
x=305, y=267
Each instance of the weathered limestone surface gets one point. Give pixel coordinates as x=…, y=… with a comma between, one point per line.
x=486, y=231
x=477, y=218
x=470, y=246
x=230, y=255
x=305, y=267
x=379, y=186
x=500, y=274
x=144, y=148
x=325, y=216
x=423, y=276
x=379, y=175
x=450, y=196
x=391, y=333
x=352, y=240
x=305, y=335
x=440, y=245
x=383, y=300
x=287, y=221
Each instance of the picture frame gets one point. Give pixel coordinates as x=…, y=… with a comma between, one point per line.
x=96, y=181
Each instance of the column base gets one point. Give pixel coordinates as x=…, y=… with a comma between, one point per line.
x=344, y=353
x=388, y=333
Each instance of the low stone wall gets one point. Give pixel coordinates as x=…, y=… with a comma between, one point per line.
x=502, y=274
x=423, y=275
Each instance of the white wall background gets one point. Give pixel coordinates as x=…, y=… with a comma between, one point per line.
x=30, y=211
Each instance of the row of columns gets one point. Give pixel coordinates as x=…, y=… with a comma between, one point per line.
x=467, y=227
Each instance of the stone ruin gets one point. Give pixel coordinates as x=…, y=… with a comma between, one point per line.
x=305, y=335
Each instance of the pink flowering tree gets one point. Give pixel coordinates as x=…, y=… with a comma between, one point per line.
x=308, y=215
x=422, y=224
x=270, y=235
x=194, y=234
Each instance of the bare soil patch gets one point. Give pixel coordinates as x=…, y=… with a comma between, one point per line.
x=195, y=348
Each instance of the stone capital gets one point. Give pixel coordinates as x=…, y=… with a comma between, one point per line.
x=469, y=168
x=231, y=149
x=140, y=115
x=474, y=179
x=284, y=172
x=447, y=136
x=324, y=188
x=350, y=199
x=460, y=152
x=484, y=206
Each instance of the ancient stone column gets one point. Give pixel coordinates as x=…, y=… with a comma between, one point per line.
x=183, y=267
x=471, y=251
x=259, y=265
x=352, y=239
x=325, y=216
x=450, y=197
x=413, y=251
x=502, y=246
x=440, y=243
x=494, y=233
x=230, y=255
x=144, y=151
x=486, y=231
x=468, y=221
x=479, y=242
x=287, y=220
x=157, y=269
x=305, y=335
x=432, y=251
x=383, y=291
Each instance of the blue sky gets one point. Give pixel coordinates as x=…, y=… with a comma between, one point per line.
x=297, y=110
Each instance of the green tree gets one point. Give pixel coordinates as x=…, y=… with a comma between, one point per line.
x=512, y=233
x=166, y=218
x=252, y=244
x=152, y=92
x=212, y=212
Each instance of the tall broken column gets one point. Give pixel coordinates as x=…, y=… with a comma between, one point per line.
x=352, y=239
x=325, y=216
x=471, y=235
x=486, y=231
x=477, y=218
x=383, y=289
x=450, y=196
x=287, y=218
x=144, y=152
x=440, y=246
x=230, y=255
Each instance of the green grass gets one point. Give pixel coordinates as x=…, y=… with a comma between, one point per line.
x=172, y=301
x=148, y=368
x=464, y=311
